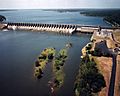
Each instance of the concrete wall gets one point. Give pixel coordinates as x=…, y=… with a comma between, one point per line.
x=87, y=29
x=60, y=28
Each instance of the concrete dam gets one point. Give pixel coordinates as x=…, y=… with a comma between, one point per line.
x=59, y=28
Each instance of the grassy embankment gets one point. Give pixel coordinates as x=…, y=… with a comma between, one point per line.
x=117, y=81
x=90, y=80
x=45, y=57
x=58, y=64
x=117, y=35
x=104, y=64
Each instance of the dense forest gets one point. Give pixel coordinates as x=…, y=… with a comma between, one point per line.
x=89, y=81
x=110, y=15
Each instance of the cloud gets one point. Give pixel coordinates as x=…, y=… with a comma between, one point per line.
x=59, y=4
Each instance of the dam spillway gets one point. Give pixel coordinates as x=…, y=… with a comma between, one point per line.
x=58, y=28
x=61, y=28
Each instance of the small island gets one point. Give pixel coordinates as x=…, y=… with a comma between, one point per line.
x=58, y=64
x=45, y=57
x=58, y=72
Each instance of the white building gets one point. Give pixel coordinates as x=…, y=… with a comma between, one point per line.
x=104, y=33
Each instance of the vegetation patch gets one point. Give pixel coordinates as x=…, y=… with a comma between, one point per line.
x=111, y=16
x=89, y=80
x=58, y=73
x=58, y=64
x=2, y=18
x=45, y=57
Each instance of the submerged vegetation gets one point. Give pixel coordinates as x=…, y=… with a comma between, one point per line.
x=46, y=56
x=89, y=80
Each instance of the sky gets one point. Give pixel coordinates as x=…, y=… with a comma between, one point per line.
x=53, y=4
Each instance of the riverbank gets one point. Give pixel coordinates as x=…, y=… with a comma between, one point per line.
x=89, y=81
x=89, y=71
x=109, y=16
x=103, y=66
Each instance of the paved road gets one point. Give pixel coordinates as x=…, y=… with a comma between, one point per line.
x=113, y=75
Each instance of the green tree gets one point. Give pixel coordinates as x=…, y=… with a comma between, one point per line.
x=2, y=18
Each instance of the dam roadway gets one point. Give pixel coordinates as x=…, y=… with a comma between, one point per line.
x=60, y=28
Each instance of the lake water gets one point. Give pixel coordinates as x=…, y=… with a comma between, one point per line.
x=19, y=50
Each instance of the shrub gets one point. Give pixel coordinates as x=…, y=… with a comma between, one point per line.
x=50, y=56
x=2, y=18
x=37, y=63
x=89, y=47
x=97, y=52
x=42, y=57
